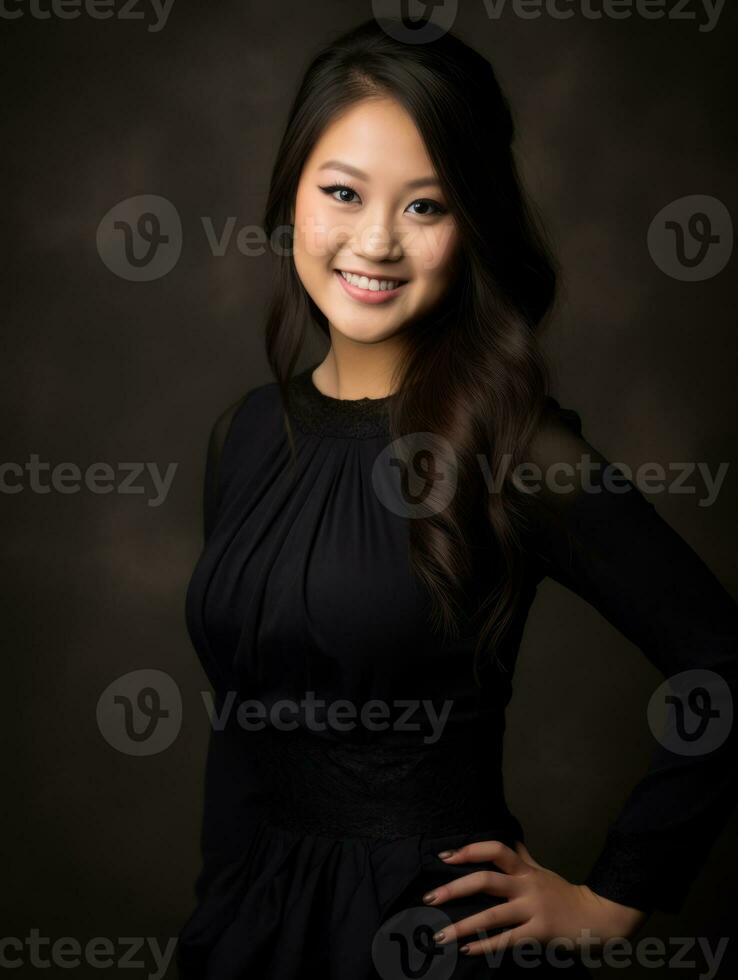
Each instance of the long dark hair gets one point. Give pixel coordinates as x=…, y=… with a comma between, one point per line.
x=473, y=372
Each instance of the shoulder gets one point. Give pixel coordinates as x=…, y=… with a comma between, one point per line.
x=558, y=435
x=561, y=468
x=251, y=410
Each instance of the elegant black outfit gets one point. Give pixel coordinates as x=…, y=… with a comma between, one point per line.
x=316, y=836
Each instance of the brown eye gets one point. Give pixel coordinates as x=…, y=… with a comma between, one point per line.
x=342, y=189
x=423, y=202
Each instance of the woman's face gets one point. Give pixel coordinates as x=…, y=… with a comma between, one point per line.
x=369, y=204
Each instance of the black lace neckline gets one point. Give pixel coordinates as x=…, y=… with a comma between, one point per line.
x=320, y=414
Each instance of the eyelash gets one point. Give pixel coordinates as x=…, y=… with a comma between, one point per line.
x=340, y=186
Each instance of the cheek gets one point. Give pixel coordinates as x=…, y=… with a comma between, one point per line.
x=435, y=263
x=434, y=250
x=306, y=239
x=318, y=230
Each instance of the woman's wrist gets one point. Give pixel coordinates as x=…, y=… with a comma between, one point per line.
x=622, y=920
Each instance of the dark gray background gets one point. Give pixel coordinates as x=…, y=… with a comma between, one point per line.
x=616, y=119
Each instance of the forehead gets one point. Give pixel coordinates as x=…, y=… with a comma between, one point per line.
x=379, y=137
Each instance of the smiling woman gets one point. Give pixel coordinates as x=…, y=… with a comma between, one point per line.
x=353, y=241
x=354, y=557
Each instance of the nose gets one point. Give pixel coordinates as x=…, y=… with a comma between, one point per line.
x=376, y=238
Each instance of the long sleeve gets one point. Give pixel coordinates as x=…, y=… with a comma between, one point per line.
x=603, y=540
x=227, y=802
x=216, y=442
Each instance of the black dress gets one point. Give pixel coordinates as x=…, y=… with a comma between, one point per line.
x=355, y=745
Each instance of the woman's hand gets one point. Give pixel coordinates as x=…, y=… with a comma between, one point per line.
x=540, y=904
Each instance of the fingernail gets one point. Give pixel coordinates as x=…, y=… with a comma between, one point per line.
x=464, y=950
x=439, y=937
x=429, y=897
x=446, y=854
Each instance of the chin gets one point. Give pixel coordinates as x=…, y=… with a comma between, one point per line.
x=365, y=333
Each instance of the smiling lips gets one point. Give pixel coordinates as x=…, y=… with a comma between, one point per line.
x=369, y=290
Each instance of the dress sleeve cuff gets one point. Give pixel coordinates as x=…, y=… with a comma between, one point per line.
x=635, y=872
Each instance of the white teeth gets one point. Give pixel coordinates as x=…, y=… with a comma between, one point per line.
x=374, y=285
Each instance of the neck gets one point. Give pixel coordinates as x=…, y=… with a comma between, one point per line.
x=354, y=370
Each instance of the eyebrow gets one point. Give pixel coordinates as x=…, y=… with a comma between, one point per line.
x=355, y=172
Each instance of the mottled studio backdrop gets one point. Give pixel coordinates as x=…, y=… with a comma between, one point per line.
x=112, y=376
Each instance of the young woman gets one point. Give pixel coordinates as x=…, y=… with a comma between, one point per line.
x=372, y=550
